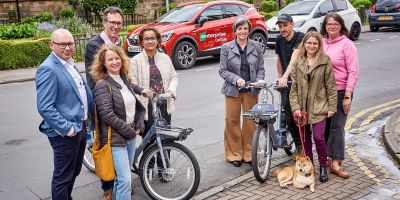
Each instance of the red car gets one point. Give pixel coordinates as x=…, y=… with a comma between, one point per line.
x=198, y=29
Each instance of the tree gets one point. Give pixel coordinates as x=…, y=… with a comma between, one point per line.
x=97, y=6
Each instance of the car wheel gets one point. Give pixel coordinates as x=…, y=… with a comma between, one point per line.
x=312, y=29
x=259, y=37
x=374, y=28
x=185, y=55
x=355, y=31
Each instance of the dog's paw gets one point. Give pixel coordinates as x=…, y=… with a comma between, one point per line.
x=312, y=190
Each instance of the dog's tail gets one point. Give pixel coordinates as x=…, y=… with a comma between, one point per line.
x=275, y=171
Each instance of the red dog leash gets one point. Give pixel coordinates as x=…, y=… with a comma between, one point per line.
x=301, y=121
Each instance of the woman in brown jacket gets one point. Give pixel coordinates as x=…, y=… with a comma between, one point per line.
x=314, y=91
x=119, y=109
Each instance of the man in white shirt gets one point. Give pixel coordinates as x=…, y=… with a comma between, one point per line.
x=65, y=102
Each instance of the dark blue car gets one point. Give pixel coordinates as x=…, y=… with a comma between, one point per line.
x=384, y=13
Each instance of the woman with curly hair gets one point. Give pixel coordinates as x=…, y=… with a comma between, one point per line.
x=119, y=109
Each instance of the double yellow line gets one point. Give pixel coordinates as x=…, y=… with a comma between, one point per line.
x=376, y=111
x=379, y=109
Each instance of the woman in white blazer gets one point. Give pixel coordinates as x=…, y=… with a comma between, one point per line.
x=154, y=70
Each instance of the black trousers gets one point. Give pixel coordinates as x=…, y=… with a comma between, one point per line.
x=288, y=119
x=334, y=131
x=68, y=157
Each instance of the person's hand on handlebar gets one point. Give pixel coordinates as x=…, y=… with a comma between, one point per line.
x=147, y=93
x=282, y=82
x=241, y=83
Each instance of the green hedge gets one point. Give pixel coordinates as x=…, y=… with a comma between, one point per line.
x=269, y=6
x=16, y=54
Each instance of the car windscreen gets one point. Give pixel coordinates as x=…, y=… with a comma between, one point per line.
x=386, y=3
x=299, y=8
x=180, y=14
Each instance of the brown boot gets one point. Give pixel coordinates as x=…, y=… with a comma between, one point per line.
x=107, y=195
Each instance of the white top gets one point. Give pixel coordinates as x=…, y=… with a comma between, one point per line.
x=80, y=85
x=129, y=99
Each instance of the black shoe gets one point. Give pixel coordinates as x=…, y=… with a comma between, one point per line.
x=236, y=163
x=323, y=174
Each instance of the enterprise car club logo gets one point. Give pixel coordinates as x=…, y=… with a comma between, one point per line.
x=204, y=36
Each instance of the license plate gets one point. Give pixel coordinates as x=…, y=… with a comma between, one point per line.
x=135, y=49
x=385, y=18
x=272, y=35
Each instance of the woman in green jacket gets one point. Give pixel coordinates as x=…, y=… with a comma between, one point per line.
x=314, y=91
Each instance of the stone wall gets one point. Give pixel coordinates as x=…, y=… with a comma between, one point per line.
x=148, y=8
x=32, y=7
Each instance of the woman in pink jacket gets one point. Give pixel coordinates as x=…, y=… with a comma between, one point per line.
x=344, y=58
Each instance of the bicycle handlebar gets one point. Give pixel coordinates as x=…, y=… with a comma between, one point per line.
x=261, y=84
x=158, y=97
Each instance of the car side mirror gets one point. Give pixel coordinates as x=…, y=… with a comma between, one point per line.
x=202, y=21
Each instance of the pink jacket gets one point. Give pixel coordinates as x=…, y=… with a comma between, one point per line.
x=344, y=58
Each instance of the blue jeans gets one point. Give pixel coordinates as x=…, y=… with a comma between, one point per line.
x=123, y=160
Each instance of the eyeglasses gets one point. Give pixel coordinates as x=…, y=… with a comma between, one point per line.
x=312, y=44
x=148, y=39
x=64, y=45
x=113, y=23
x=332, y=24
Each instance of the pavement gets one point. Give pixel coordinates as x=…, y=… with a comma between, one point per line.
x=361, y=185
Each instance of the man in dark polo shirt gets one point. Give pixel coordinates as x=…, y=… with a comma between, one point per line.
x=286, y=50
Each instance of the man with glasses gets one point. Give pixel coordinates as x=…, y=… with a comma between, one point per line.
x=286, y=50
x=65, y=102
x=112, y=24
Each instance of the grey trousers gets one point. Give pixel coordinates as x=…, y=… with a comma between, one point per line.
x=334, y=131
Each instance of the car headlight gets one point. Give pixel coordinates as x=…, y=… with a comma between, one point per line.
x=299, y=23
x=167, y=35
x=133, y=39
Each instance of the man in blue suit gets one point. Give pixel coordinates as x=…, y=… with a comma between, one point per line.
x=65, y=102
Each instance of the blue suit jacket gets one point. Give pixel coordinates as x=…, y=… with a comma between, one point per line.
x=58, y=99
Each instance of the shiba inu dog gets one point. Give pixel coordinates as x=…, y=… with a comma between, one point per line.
x=300, y=175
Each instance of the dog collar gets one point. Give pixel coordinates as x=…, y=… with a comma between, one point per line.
x=307, y=174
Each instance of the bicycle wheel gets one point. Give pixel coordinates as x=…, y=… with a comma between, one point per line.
x=291, y=149
x=88, y=158
x=179, y=181
x=261, y=153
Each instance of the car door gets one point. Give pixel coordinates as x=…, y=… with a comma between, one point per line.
x=323, y=9
x=208, y=33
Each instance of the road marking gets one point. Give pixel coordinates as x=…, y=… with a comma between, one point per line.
x=198, y=70
x=394, y=36
x=353, y=118
x=352, y=154
x=374, y=40
x=270, y=58
x=356, y=43
x=377, y=113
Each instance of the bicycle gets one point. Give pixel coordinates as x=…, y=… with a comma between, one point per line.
x=266, y=137
x=167, y=169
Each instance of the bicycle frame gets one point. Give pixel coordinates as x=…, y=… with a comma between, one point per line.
x=160, y=125
x=270, y=115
